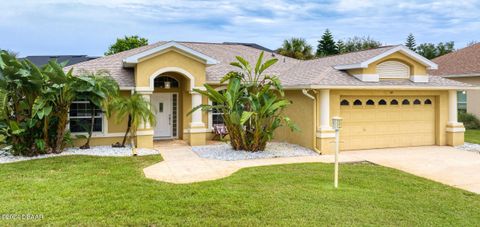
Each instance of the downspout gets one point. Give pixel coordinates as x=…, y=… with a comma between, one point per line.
x=305, y=92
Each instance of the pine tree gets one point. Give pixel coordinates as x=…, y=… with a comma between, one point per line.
x=326, y=46
x=411, y=42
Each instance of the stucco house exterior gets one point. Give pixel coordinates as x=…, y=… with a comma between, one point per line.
x=384, y=95
x=462, y=65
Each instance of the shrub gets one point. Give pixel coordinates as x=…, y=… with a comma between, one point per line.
x=469, y=120
x=252, y=105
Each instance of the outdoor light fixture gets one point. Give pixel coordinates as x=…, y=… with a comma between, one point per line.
x=337, y=124
x=167, y=84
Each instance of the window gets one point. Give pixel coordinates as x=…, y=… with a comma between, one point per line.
x=405, y=102
x=462, y=100
x=344, y=103
x=80, y=117
x=357, y=103
x=162, y=81
x=417, y=102
x=382, y=102
x=370, y=102
x=428, y=102
x=394, y=102
x=217, y=117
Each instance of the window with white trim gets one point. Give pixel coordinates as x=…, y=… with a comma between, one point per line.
x=217, y=116
x=80, y=117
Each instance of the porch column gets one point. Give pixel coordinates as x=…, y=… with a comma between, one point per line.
x=455, y=129
x=197, y=115
x=452, y=107
x=325, y=134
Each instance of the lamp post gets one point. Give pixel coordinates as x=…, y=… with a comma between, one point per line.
x=337, y=124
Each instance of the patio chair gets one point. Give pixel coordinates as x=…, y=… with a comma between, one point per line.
x=220, y=130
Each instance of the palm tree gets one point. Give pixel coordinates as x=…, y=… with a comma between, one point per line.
x=100, y=89
x=137, y=110
x=296, y=48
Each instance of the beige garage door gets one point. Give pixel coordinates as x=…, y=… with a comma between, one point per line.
x=380, y=122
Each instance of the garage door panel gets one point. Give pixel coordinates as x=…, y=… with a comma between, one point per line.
x=381, y=126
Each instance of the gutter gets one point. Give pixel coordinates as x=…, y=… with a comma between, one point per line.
x=305, y=92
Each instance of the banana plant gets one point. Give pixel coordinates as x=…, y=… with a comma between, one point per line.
x=252, y=104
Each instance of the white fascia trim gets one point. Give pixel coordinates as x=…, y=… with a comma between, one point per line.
x=132, y=60
x=367, y=77
x=419, y=78
x=403, y=49
x=379, y=87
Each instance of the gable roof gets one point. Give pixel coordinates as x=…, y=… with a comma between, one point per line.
x=42, y=60
x=460, y=63
x=321, y=72
x=134, y=59
x=372, y=56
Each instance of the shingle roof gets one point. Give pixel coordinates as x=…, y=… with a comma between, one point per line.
x=70, y=59
x=292, y=72
x=461, y=62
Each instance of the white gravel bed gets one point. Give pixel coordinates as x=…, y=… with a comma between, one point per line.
x=470, y=147
x=106, y=151
x=273, y=150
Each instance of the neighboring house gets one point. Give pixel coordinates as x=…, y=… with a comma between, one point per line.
x=462, y=65
x=70, y=59
x=384, y=95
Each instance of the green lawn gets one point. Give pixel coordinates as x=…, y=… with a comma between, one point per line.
x=112, y=191
x=472, y=136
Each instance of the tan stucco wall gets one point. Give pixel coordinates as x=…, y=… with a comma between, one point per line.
x=415, y=67
x=301, y=112
x=147, y=67
x=473, y=96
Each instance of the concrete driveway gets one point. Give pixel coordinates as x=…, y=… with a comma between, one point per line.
x=446, y=165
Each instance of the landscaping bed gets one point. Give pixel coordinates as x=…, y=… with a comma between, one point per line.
x=273, y=150
x=470, y=147
x=6, y=157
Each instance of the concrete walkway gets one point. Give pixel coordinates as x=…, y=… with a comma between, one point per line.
x=442, y=164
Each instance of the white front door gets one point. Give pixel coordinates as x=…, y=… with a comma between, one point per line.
x=162, y=102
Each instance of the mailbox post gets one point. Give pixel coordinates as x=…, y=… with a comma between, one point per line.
x=337, y=124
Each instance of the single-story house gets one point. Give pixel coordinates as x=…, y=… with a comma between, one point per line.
x=384, y=95
x=462, y=65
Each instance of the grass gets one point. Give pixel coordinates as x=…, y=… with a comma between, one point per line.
x=86, y=190
x=472, y=136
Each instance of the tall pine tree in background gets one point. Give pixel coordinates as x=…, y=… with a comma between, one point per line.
x=326, y=46
x=411, y=42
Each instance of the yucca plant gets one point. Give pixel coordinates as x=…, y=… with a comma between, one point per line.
x=252, y=105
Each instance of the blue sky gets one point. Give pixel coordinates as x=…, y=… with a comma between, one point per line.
x=33, y=27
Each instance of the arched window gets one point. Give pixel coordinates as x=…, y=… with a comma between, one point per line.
x=357, y=103
x=382, y=102
x=405, y=102
x=417, y=102
x=428, y=102
x=394, y=102
x=344, y=103
x=370, y=102
x=165, y=82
